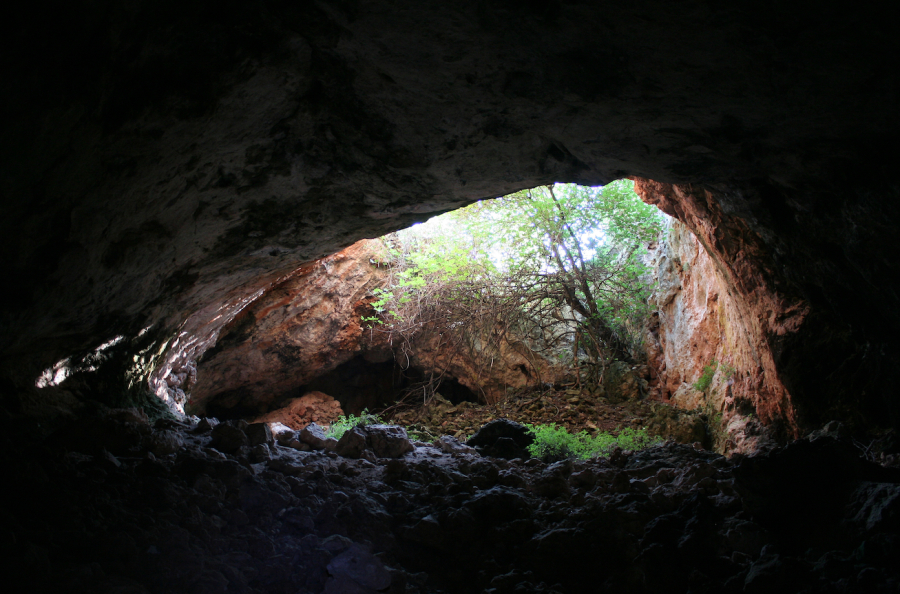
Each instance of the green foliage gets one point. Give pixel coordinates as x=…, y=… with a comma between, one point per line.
x=554, y=442
x=566, y=252
x=345, y=423
x=727, y=369
x=706, y=377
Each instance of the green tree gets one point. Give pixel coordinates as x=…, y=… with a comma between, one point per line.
x=564, y=258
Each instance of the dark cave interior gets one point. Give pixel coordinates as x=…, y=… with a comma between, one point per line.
x=166, y=166
x=359, y=384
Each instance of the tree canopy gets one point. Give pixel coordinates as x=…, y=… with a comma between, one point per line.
x=565, y=259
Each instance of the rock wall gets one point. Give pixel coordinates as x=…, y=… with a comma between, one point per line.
x=716, y=303
x=295, y=331
x=701, y=324
x=159, y=159
x=308, y=324
x=491, y=372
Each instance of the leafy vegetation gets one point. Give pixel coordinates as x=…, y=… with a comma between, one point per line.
x=705, y=379
x=727, y=369
x=345, y=423
x=560, y=261
x=553, y=442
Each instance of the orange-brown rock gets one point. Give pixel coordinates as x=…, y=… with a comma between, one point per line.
x=313, y=407
x=490, y=372
x=305, y=326
x=295, y=331
x=716, y=301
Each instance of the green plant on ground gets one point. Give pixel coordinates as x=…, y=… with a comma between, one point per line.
x=345, y=423
x=706, y=377
x=554, y=442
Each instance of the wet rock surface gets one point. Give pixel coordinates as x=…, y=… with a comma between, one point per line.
x=811, y=517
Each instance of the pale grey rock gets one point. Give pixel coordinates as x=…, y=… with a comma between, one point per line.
x=282, y=433
x=352, y=443
x=314, y=436
x=388, y=441
x=449, y=445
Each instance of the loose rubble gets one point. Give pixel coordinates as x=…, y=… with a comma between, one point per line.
x=110, y=509
x=576, y=409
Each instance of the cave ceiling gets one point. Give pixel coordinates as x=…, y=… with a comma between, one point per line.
x=161, y=158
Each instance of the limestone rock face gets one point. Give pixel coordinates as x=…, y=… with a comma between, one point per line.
x=707, y=313
x=162, y=165
x=688, y=397
x=309, y=324
x=489, y=372
x=295, y=331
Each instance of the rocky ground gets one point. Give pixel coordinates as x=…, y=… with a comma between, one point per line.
x=574, y=408
x=111, y=503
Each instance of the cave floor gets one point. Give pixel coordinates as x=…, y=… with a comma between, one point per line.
x=573, y=408
x=114, y=504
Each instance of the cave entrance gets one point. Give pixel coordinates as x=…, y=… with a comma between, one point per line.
x=362, y=383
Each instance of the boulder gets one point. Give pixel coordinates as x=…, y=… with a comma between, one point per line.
x=352, y=443
x=229, y=437
x=283, y=434
x=259, y=453
x=502, y=438
x=314, y=436
x=260, y=433
x=875, y=507
x=360, y=566
x=206, y=425
x=450, y=445
x=388, y=441
x=163, y=443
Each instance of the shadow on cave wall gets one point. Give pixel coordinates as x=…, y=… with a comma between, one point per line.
x=359, y=384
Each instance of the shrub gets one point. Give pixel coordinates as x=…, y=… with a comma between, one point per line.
x=554, y=442
x=706, y=377
x=345, y=423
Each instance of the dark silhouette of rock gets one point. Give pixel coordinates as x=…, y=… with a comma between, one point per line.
x=502, y=438
x=229, y=437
